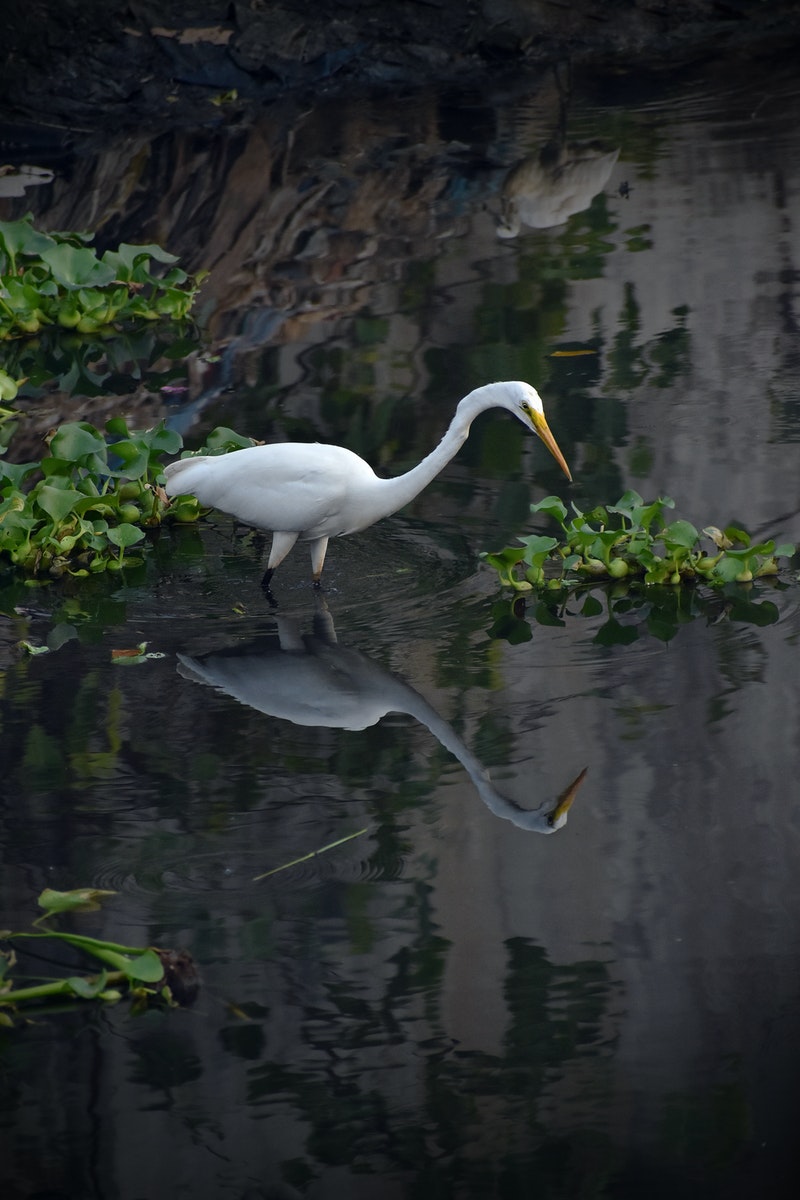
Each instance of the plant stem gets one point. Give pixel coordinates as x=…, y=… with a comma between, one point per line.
x=312, y=854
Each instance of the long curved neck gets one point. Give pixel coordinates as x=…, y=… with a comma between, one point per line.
x=411, y=702
x=397, y=492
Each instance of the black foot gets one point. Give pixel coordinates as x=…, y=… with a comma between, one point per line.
x=266, y=589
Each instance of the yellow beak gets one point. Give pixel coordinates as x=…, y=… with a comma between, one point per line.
x=543, y=429
x=565, y=799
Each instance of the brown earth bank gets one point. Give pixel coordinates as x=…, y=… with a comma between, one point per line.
x=89, y=65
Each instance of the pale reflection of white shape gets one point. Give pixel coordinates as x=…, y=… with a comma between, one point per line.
x=545, y=189
x=313, y=681
x=14, y=180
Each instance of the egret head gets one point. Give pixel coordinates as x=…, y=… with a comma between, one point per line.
x=526, y=403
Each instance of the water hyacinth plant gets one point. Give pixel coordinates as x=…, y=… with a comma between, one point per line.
x=58, y=279
x=632, y=540
x=90, y=501
x=147, y=974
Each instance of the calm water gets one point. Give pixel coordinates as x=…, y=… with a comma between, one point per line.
x=455, y=1002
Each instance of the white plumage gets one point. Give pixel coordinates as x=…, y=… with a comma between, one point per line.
x=314, y=492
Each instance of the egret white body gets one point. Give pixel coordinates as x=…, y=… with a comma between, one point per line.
x=314, y=492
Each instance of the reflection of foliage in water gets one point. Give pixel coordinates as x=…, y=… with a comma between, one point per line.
x=632, y=612
x=86, y=365
x=477, y=1125
x=661, y=361
x=476, y=1119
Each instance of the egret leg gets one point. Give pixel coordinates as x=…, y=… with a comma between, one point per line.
x=265, y=585
x=281, y=545
x=318, y=548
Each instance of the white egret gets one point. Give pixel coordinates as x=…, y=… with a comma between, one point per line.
x=314, y=492
x=314, y=681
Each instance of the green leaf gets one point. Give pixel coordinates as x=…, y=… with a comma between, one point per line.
x=19, y=237
x=537, y=548
x=77, y=267
x=125, y=535
x=552, y=506
x=167, y=441
x=79, y=899
x=14, y=473
x=118, y=427
x=627, y=505
x=146, y=968
x=134, y=458
x=87, y=989
x=56, y=501
x=727, y=568
x=221, y=440
x=503, y=559
x=30, y=648
x=737, y=535
x=126, y=257
x=680, y=533
x=76, y=441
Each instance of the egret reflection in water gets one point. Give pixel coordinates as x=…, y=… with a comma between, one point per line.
x=312, y=680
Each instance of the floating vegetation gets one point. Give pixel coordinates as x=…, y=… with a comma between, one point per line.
x=83, y=508
x=631, y=540
x=146, y=974
x=58, y=279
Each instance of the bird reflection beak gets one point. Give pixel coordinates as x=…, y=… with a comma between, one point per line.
x=543, y=429
x=565, y=800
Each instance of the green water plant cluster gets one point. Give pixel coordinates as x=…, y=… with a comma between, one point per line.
x=83, y=508
x=145, y=973
x=58, y=279
x=632, y=540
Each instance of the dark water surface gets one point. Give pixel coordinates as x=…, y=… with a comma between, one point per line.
x=456, y=1002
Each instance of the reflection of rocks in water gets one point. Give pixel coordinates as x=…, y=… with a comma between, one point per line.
x=313, y=681
x=297, y=214
x=546, y=189
x=298, y=218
